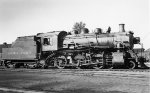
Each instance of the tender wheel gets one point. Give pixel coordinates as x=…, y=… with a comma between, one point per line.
x=131, y=65
x=45, y=67
x=16, y=65
x=9, y=65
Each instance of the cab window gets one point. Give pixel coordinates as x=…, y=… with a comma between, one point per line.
x=47, y=41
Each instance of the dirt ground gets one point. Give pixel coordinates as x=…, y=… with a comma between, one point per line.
x=63, y=83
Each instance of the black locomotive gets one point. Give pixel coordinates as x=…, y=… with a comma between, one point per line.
x=80, y=50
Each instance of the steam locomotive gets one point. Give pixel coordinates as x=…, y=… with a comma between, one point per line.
x=80, y=50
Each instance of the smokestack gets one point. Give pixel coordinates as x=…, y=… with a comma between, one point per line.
x=121, y=28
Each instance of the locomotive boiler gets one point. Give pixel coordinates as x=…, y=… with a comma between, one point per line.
x=80, y=50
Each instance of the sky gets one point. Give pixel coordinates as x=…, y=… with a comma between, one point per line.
x=29, y=17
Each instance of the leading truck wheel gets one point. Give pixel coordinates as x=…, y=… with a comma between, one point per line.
x=131, y=65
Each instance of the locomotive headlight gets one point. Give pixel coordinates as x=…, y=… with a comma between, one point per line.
x=136, y=40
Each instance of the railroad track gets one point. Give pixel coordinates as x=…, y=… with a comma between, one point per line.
x=66, y=70
x=125, y=73
x=117, y=73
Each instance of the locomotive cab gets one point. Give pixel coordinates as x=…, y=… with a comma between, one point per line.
x=47, y=43
x=51, y=41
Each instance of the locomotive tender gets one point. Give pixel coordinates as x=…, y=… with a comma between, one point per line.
x=89, y=50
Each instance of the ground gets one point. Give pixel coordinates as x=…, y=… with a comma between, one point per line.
x=53, y=81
